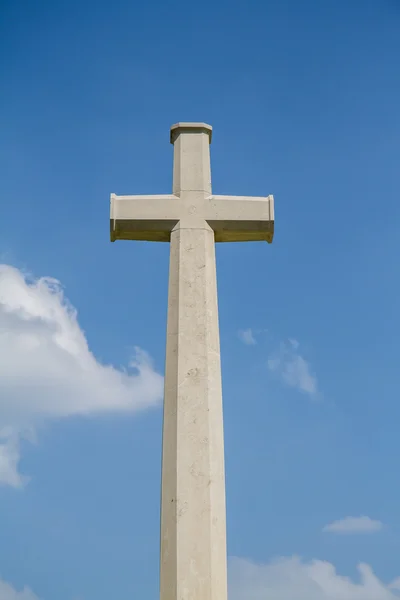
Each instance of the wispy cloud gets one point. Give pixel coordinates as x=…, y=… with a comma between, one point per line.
x=47, y=370
x=292, y=367
x=286, y=578
x=7, y=592
x=294, y=579
x=354, y=525
x=247, y=337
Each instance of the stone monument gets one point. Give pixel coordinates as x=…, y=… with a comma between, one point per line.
x=192, y=219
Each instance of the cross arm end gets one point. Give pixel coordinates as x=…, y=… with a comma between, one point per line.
x=242, y=218
x=148, y=218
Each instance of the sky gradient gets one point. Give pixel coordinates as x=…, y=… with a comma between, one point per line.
x=304, y=98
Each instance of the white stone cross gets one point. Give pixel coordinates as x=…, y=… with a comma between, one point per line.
x=193, y=514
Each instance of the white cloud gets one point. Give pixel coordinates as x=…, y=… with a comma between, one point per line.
x=47, y=370
x=294, y=579
x=395, y=585
x=287, y=578
x=247, y=337
x=292, y=368
x=9, y=458
x=354, y=525
x=7, y=592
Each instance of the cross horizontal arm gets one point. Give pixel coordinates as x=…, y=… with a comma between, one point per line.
x=149, y=218
x=241, y=218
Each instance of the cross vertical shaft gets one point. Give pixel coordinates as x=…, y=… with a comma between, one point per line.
x=193, y=527
x=193, y=537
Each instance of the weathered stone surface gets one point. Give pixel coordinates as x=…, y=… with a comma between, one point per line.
x=193, y=538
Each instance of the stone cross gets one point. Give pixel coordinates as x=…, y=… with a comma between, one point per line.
x=193, y=514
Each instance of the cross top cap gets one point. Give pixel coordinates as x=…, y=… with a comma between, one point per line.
x=189, y=128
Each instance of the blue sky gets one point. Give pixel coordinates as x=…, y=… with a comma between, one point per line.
x=303, y=97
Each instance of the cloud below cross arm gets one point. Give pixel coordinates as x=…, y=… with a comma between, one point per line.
x=247, y=337
x=292, y=368
x=286, y=363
